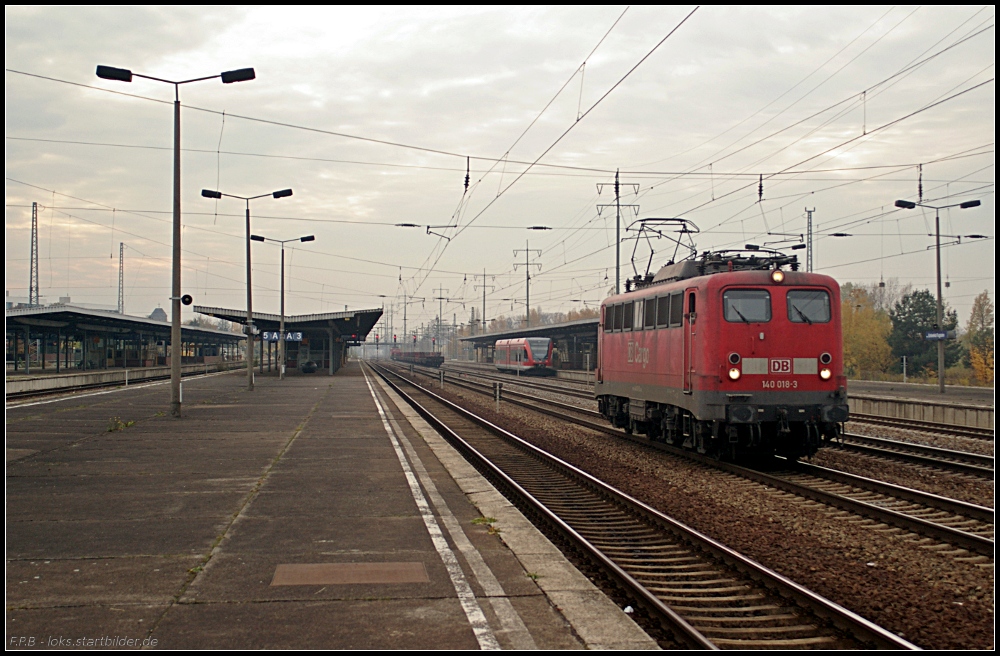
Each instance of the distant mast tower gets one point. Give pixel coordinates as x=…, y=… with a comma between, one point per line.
x=121, y=277
x=33, y=295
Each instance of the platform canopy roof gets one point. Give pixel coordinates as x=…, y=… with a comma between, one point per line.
x=69, y=319
x=352, y=326
x=585, y=329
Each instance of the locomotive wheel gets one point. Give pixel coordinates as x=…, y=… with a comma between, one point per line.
x=630, y=426
x=654, y=431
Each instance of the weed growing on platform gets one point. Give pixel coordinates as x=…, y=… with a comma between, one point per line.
x=488, y=521
x=531, y=575
x=116, y=424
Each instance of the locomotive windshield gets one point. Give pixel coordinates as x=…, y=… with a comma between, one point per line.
x=747, y=305
x=539, y=347
x=808, y=306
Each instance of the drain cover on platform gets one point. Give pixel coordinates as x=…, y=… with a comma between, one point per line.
x=348, y=573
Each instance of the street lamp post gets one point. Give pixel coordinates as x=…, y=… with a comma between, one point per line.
x=909, y=205
x=281, y=333
x=125, y=75
x=284, y=193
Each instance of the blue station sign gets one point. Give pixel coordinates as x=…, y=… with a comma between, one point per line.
x=939, y=335
x=275, y=336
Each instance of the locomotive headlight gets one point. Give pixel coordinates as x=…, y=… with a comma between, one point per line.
x=778, y=276
x=825, y=373
x=734, y=373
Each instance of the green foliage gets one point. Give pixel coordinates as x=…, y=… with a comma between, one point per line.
x=488, y=522
x=866, y=330
x=912, y=316
x=979, y=338
x=116, y=424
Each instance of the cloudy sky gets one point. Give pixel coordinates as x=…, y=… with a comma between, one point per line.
x=371, y=116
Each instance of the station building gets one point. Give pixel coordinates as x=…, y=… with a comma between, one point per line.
x=320, y=339
x=64, y=338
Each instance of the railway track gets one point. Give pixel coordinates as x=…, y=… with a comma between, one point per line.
x=567, y=387
x=705, y=594
x=953, y=522
x=586, y=390
x=929, y=426
x=19, y=397
x=960, y=461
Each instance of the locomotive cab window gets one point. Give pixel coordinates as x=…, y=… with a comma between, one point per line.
x=539, y=347
x=747, y=306
x=609, y=318
x=808, y=306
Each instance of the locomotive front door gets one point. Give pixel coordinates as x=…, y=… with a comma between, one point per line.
x=689, y=336
x=599, y=369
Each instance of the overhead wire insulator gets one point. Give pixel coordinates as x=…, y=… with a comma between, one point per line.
x=920, y=183
x=760, y=189
x=467, y=168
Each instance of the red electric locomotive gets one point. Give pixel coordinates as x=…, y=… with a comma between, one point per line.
x=527, y=356
x=727, y=354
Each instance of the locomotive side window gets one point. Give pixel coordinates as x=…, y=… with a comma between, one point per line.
x=747, y=305
x=619, y=317
x=808, y=306
x=650, y=312
x=676, y=309
x=637, y=320
x=609, y=318
x=663, y=312
x=628, y=310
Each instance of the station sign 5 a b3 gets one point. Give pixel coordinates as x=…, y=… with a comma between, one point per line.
x=275, y=336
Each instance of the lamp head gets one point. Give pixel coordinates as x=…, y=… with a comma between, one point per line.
x=284, y=193
x=240, y=75
x=905, y=204
x=969, y=203
x=256, y=238
x=112, y=73
x=208, y=193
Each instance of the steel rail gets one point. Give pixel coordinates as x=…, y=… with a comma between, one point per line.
x=960, y=461
x=927, y=426
x=970, y=541
x=678, y=626
x=71, y=389
x=565, y=387
x=839, y=616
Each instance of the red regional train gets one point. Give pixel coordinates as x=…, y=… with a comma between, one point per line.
x=727, y=354
x=526, y=355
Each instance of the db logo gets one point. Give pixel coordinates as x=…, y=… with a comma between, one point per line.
x=781, y=366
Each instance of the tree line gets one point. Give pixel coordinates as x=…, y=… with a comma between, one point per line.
x=886, y=322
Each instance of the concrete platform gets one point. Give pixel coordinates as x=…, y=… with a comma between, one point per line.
x=954, y=394
x=314, y=512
